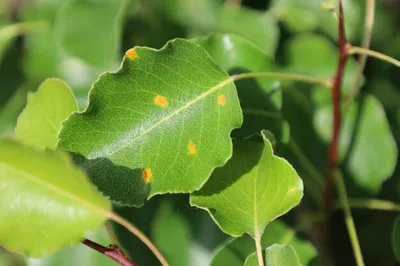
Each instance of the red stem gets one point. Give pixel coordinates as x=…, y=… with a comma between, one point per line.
x=113, y=252
x=336, y=86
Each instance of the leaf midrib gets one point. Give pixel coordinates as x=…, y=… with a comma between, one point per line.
x=58, y=190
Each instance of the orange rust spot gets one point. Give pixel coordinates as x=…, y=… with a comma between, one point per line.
x=161, y=101
x=221, y=100
x=147, y=174
x=131, y=54
x=192, y=149
x=293, y=189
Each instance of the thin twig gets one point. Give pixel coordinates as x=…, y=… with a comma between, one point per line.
x=134, y=230
x=348, y=218
x=113, y=252
x=366, y=42
x=111, y=234
x=383, y=57
x=371, y=204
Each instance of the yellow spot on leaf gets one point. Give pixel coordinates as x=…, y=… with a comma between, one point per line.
x=161, y=101
x=221, y=100
x=293, y=189
x=147, y=174
x=192, y=150
x=131, y=54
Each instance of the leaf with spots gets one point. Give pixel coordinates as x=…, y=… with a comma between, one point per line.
x=251, y=190
x=161, y=124
x=40, y=122
x=276, y=255
x=43, y=196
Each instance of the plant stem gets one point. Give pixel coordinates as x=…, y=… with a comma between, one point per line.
x=260, y=259
x=20, y=28
x=134, y=230
x=113, y=252
x=111, y=234
x=383, y=57
x=344, y=201
x=372, y=204
x=368, y=26
x=287, y=76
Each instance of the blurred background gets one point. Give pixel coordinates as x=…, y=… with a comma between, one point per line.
x=77, y=40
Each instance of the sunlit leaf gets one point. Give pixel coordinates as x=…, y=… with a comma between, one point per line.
x=235, y=252
x=40, y=122
x=276, y=255
x=251, y=190
x=366, y=144
x=161, y=124
x=260, y=98
x=45, y=190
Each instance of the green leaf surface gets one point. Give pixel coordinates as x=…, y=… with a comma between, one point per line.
x=161, y=124
x=40, y=122
x=366, y=144
x=310, y=15
x=276, y=255
x=396, y=239
x=171, y=234
x=80, y=255
x=260, y=98
x=235, y=252
x=44, y=189
x=251, y=190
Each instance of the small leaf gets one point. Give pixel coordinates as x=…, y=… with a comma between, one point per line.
x=373, y=155
x=276, y=255
x=251, y=190
x=235, y=252
x=165, y=119
x=40, y=122
x=260, y=98
x=171, y=234
x=44, y=189
x=396, y=239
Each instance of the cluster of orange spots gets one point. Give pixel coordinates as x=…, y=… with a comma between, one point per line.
x=221, y=100
x=131, y=54
x=161, y=101
x=147, y=174
x=192, y=150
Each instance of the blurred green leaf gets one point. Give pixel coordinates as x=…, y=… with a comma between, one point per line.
x=260, y=98
x=78, y=256
x=40, y=122
x=51, y=194
x=366, y=144
x=396, y=239
x=276, y=255
x=309, y=15
x=235, y=252
x=146, y=119
x=171, y=234
x=251, y=190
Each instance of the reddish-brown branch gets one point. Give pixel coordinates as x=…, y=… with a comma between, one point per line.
x=113, y=252
x=336, y=94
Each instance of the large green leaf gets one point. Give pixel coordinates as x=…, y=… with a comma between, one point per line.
x=251, y=190
x=276, y=255
x=260, y=98
x=45, y=202
x=171, y=234
x=80, y=255
x=164, y=118
x=396, y=239
x=235, y=252
x=40, y=122
x=366, y=143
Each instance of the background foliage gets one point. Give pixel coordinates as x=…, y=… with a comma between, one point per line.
x=77, y=40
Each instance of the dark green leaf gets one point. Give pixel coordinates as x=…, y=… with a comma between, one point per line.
x=396, y=239
x=164, y=119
